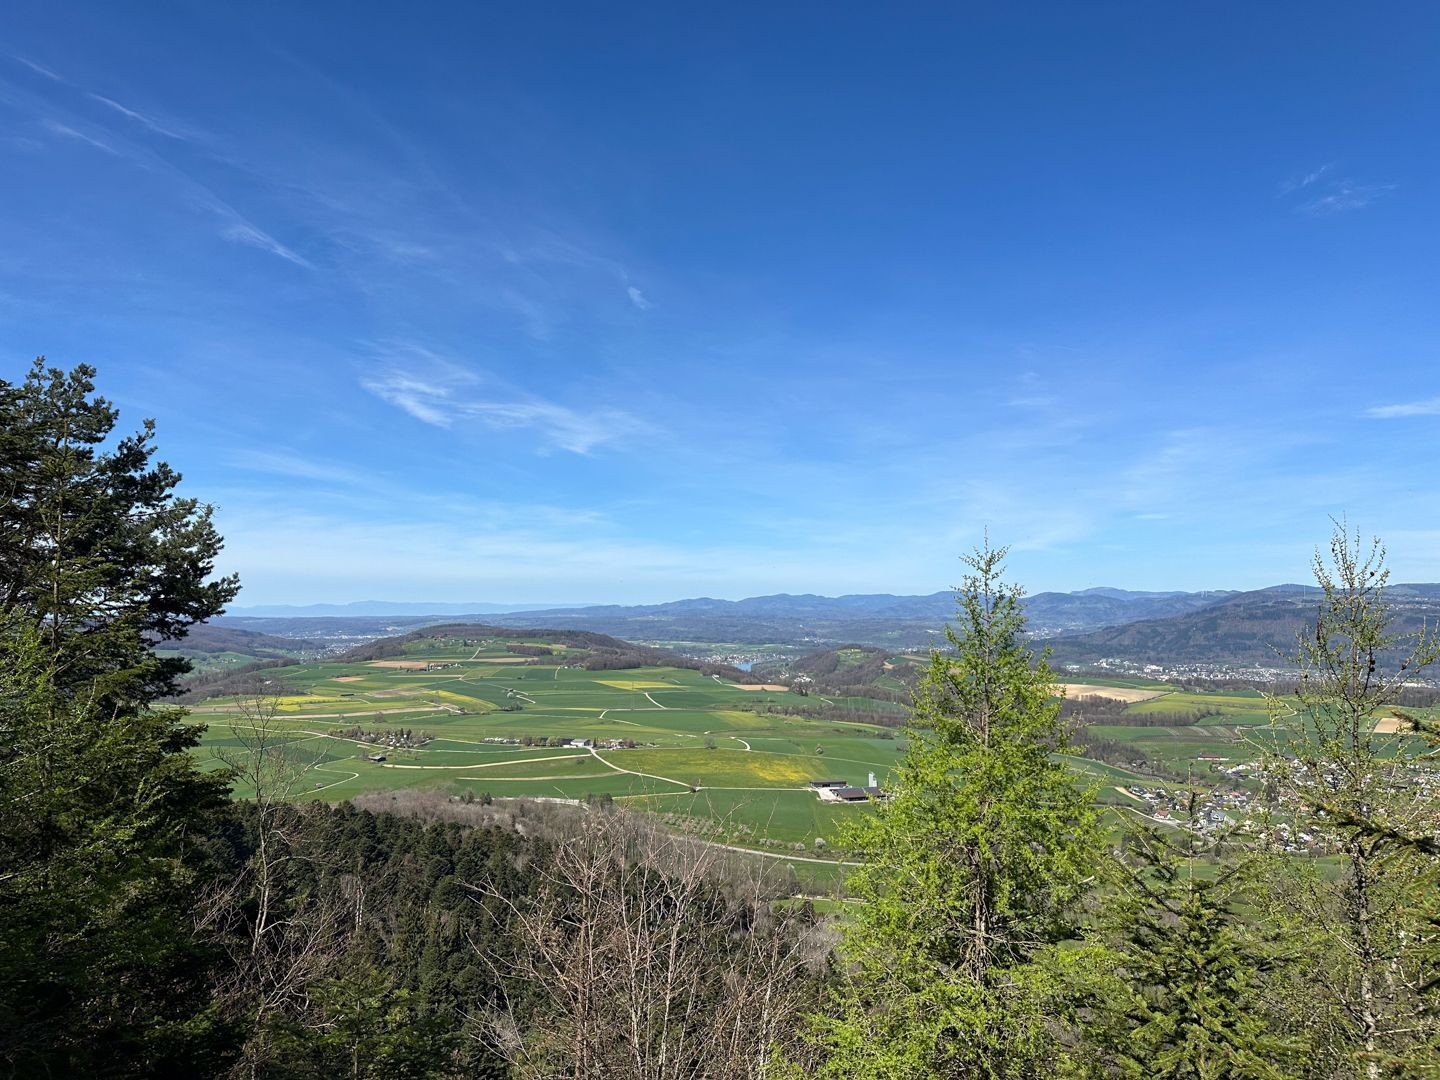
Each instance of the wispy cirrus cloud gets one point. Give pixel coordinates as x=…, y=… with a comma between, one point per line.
x=39, y=69
x=65, y=131
x=1320, y=193
x=1401, y=409
x=1304, y=180
x=147, y=122
x=443, y=394
x=299, y=466
x=1345, y=195
x=241, y=231
x=637, y=298
x=66, y=123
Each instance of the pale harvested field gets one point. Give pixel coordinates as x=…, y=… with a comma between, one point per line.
x=776, y=687
x=1114, y=693
x=350, y=678
x=1389, y=725
x=499, y=660
x=408, y=665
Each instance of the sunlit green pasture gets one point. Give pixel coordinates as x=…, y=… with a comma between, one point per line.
x=695, y=748
x=701, y=759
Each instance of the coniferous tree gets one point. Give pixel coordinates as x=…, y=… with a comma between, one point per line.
x=972, y=866
x=102, y=810
x=1186, y=969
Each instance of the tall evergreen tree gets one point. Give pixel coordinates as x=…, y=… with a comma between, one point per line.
x=100, y=803
x=972, y=866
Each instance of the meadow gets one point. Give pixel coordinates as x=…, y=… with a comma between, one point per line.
x=709, y=766
x=472, y=719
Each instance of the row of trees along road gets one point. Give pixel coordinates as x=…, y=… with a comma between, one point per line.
x=151, y=926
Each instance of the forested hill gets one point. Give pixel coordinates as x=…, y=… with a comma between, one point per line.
x=210, y=638
x=592, y=651
x=1245, y=628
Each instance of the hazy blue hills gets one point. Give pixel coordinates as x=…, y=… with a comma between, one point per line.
x=1249, y=628
x=382, y=608
x=1215, y=627
x=875, y=618
x=872, y=618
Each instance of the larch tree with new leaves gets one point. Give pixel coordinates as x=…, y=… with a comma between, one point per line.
x=973, y=866
x=1363, y=791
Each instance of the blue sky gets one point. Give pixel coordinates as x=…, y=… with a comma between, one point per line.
x=628, y=303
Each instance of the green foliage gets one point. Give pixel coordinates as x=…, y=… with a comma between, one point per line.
x=972, y=867
x=101, y=805
x=362, y=1027
x=1361, y=793
x=96, y=550
x=1187, y=973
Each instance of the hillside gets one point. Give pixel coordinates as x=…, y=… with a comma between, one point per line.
x=210, y=638
x=1252, y=628
x=583, y=648
x=880, y=619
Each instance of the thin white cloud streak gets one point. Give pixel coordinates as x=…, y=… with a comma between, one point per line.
x=140, y=118
x=243, y=232
x=449, y=394
x=1398, y=410
x=39, y=69
x=234, y=226
x=67, y=132
x=637, y=298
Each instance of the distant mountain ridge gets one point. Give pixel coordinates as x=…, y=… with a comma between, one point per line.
x=873, y=618
x=1256, y=628
x=1217, y=626
x=884, y=619
x=383, y=608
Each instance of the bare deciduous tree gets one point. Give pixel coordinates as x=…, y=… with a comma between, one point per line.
x=282, y=942
x=651, y=963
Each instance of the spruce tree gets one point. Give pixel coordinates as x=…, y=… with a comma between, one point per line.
x=1187, y=971
x=972, y=866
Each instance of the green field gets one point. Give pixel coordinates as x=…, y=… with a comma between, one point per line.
x=710, y=767
x=698, y=759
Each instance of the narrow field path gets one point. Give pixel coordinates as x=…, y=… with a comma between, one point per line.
x=632, y=772
x=653, y=701
x=336, y=783
x=482, y=765
x=776, y=854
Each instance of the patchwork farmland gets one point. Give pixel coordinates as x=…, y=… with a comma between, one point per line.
x=505, y=717
x=462, y=716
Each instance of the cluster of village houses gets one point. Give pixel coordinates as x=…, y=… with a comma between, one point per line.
x=562, y=741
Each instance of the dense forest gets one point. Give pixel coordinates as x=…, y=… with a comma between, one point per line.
x=997, y=924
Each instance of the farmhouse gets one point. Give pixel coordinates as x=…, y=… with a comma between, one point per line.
x=858, y=794
x=821, y=785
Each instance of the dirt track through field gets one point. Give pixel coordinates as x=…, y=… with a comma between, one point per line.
x=632, y=772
